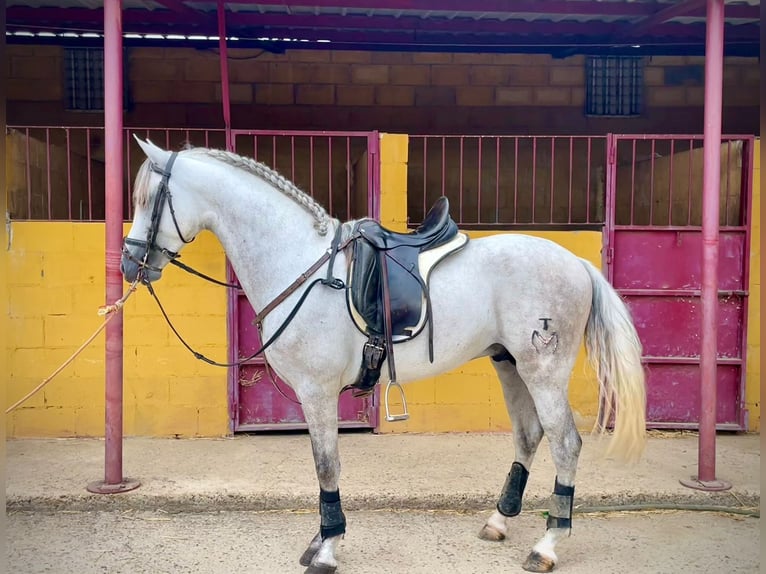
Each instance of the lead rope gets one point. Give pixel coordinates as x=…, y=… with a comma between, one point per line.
x=110, y=311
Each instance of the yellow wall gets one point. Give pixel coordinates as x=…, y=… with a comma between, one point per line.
x=753, y=378
x=56, y=284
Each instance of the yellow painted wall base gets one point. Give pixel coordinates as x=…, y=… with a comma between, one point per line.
x=56, y=285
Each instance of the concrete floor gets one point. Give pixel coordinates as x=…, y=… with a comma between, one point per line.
x=412, y=542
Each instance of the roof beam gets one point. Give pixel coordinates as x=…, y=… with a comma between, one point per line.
x=179, y=7
x=661, y=16
x=558, y=7
x=549, y=7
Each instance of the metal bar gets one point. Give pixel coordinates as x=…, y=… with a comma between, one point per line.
x=274, y=155
x=728, y=182
x=68, y=173
x=692, y=426
x=515, y=178
x=553, y=171
x=114, y=217
x=292, y=158
x=670, y=181
x=609, y=202
x=497, y=179
x=224, y=59
x=130, y=180
x=48, y=168
x=425, y=173
x=348, y=177
x=90, y=179
x=113, y=479
x=311, y=166
x=745, y=212
x=689, y=190
x=444, y=166
x=651, y=183
x=687, y=360
x=633, y=182
x=569, y=193
x=478, y=182
x=373, y=155
x=534, y=176
x=460, y=187
x=710, y=215
x=329, y=173
x=28, y=173
x=587, y=181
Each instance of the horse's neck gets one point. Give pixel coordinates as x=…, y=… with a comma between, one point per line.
x=268, y=237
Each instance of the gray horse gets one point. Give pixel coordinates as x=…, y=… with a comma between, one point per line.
x=487, y=300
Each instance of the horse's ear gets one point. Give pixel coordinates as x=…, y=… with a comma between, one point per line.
x=156, y=154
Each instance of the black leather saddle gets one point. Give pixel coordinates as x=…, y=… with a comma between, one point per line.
x=388, y=291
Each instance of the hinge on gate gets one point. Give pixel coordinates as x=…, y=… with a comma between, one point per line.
x=609, y=254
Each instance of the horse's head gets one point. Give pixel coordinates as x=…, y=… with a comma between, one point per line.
x=162, y=222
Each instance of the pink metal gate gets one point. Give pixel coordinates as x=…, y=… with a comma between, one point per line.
x=341, y=171
x=653, y=254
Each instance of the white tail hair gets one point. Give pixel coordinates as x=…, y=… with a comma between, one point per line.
x=614, y=350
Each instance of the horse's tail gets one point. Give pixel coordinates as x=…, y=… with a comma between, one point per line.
x=614, y=350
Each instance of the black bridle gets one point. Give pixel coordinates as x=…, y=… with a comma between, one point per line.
x=150, y=244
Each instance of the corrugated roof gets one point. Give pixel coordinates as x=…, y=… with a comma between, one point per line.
x=649, y=26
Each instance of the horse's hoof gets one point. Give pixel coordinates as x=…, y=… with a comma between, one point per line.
x=536, y=562
x=321, y=569
x=491, y=533
x=311, y=550
x=308, y=556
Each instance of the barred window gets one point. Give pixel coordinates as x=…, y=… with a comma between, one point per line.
x=84, y=78
x=614, y=85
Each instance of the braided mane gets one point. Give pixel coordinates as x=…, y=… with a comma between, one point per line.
x=277, y=180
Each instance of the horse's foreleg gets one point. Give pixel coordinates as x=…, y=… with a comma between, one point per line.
x=527, y=433
x=565, y=443
x=322, y=418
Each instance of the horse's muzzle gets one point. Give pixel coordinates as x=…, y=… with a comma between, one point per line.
x=132, y=267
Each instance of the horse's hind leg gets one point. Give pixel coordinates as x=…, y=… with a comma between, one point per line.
x=527, y=433
x=548, y=388
x=322, y=417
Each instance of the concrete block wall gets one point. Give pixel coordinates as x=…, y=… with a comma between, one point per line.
x=55, y=287
x=387, y=91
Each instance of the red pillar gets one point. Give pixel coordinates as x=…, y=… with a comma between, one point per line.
x=705, y=479
x=113, y=480
x=224, y=58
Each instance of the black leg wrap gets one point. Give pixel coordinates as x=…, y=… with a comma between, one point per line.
x=333, y=521
x=513, y=490
x=560, y=515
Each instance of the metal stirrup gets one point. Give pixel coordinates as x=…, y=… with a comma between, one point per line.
x=403, y=416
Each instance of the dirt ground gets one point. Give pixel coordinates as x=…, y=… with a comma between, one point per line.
x=411, y=542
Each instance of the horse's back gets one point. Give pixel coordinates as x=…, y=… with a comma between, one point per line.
x=529, y=261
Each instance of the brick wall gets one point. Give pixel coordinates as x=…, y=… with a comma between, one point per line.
x=388, y=91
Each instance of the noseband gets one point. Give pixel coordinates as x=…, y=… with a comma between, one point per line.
x=150, y=244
